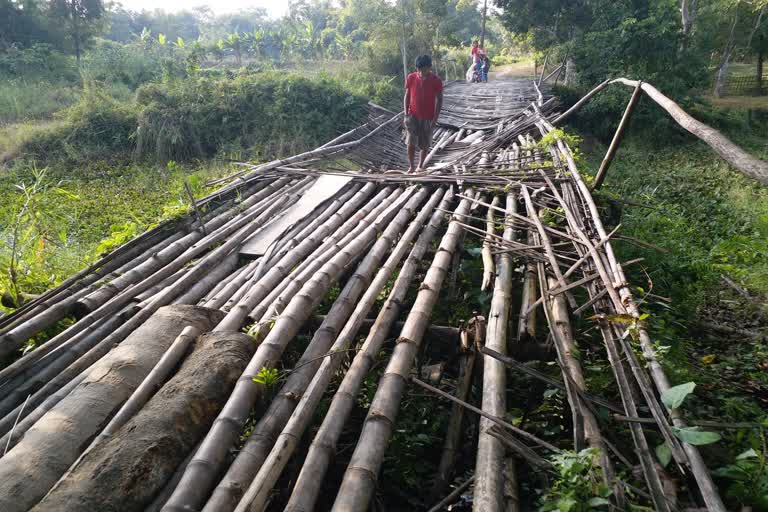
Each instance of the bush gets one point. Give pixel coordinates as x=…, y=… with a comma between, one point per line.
x=268, y=113
x=96, y=127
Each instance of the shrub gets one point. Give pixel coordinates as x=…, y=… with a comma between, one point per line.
x=96, y=127
x=267, y=113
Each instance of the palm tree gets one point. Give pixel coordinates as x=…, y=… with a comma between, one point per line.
x=233, y=42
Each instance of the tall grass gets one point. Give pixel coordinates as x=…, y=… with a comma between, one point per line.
x=22, y=100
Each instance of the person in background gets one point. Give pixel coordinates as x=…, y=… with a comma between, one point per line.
x=473, y=53
x=479, y=60
x=486, y=67
x=422, y=104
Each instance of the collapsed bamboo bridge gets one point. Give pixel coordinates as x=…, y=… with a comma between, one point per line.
x=164, y=370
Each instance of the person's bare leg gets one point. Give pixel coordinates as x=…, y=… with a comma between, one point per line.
x=411, y=156
x=422, y=157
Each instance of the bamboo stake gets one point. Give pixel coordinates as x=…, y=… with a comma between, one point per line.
x=489, y=477
x=573, y=374
x=308, y=484
x=359, y=480
x=257, y=455
x=617, y=138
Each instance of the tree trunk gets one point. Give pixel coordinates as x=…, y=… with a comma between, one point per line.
x=125, y=472
x=47, y=450
x=760, y=54
x=482, y=27
x=687, y=10
x=722, y=71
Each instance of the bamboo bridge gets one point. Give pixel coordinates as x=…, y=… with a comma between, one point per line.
x=166, y=368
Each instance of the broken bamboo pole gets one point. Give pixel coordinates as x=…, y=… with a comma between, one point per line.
x=617, y=138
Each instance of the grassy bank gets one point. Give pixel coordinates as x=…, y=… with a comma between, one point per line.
x=696, y=223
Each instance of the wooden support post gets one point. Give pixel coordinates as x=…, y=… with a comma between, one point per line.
x=617, y=137
x=543, y=68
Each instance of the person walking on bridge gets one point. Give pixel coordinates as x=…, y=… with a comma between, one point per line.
x=422, y=104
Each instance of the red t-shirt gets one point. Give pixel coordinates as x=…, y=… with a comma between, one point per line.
x=423, y=94
x=473, y=54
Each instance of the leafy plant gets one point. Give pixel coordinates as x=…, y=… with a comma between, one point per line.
x=267, y=377
x=578, y=486
x=748, y=479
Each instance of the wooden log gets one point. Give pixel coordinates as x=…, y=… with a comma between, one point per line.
x=309, y=482
x=360, y=478
x=489, y=474
x=34, y=465
x=617, y=138
x=128, y=469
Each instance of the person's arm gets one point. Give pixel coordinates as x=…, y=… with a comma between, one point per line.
x=438, y=107
x=407, y=97
x=406, y=101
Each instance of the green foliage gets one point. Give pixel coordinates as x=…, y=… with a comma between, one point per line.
x=578, y=486
x=696, y=436
x=747, y=478
x=267, y=377
x=270, y=114
x=96, y=127
x=674, y=396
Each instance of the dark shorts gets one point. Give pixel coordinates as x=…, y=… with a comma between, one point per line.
x=419, y=132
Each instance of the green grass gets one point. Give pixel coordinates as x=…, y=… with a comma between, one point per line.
x=73, y=217
x=22, y=100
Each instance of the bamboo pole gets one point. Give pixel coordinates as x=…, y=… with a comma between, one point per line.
x=98, y=347
x=359, y=480
x=256, y=455
x=283, y=447
x=488, y=266
x=617, y=138
x=489, y=476
x=275, y=301
x=309, y=482
x=453, y=432
x=734, y=155
x=198, y=480
x=264, y=284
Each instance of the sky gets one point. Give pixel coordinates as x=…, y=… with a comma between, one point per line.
x=274, y=8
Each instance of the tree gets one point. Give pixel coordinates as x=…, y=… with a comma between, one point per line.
x=81, y=19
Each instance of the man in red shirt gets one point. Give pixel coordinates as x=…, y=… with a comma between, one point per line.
x=422, y=103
